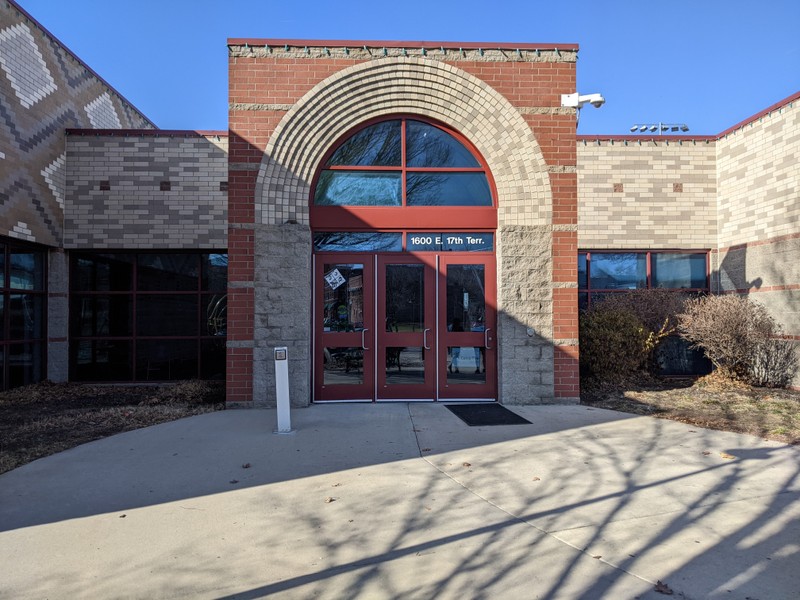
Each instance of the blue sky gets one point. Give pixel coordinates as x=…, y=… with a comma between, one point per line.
x=706, y=63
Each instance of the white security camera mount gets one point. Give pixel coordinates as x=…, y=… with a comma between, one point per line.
x=577, y=100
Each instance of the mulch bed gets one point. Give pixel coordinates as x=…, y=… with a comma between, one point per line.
x=45, y=418
x=706, y=402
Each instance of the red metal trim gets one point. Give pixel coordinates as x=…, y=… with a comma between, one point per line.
x=647, y=138
x=357, y=217
x=426, y=389
x=134, y=293
x=589, y=290
x=146, y=132
x=399, y=44
x=334, y=218
x=489, y=388
x=766, y=111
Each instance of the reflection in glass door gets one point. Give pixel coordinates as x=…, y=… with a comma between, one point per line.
x=344, y=313
x=406, y=344
x=405, y=327
x=467, y=328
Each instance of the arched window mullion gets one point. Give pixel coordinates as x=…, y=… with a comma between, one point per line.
x=438, y=168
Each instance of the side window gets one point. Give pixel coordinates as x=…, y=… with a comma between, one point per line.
x=148, y=316
x=23, y=309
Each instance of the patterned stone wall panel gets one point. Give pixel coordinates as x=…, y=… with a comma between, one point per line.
x=653, y=195
x=759, y=178
x=392, y=86
x=525, y=307
x=44, y=89
x=146, y=191
x=282, y=310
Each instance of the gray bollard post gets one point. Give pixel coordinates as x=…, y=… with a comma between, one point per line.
x=282, y=390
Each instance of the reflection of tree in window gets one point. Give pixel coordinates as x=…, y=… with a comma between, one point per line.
x=377, y=146
x=457, y=180
x=404, y=297
x=339, y=241
x=618, y=271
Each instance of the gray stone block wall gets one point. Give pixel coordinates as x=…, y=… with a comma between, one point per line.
x=44, y=89
x=525, y=358
x=135, y=212
x=282, y=310
x=655, y=195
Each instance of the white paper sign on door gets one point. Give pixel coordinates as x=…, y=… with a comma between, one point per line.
x=334, y=279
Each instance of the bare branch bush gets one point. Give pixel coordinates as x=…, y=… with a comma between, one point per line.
x=740, y=338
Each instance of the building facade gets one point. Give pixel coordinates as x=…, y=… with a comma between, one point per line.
x=412, y=221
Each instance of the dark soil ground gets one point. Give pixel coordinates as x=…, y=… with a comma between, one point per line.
x=45, y=418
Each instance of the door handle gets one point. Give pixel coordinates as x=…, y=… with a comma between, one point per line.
x=486, y=339
x=363, y=339
x=425, y=339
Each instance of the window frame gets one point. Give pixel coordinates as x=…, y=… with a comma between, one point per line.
x=589, y=290
x=367, y=218
x=10, y=245
x=135, y=293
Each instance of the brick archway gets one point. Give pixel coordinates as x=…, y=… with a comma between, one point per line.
x=403, y=85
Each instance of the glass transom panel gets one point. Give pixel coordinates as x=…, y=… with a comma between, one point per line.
x=402, y=162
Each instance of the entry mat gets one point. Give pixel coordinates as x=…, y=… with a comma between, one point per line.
x=476, y=415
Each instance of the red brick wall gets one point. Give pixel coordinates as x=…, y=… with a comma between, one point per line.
x=276, y=83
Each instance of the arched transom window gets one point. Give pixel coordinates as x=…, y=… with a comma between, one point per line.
x=403, y=162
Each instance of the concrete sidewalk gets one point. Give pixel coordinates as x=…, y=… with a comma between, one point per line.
x=406, y=501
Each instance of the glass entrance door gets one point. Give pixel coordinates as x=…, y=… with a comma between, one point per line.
x=344, y=328
x=407, y=339
x=467, y=328
x=418, y=327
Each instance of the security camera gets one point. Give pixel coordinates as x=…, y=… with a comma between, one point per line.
x=577, y=100
x=595, y=100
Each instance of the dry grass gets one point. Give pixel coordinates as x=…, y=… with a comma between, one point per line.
x=710, y=402
x=45, y=418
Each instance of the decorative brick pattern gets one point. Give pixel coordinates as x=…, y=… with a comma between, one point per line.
x=24, y=66
x=626, y=197
x=759, y=213
x=259, y=49
x=759, y=178
x=56, y=177
x=102, y=114
x=43, y=90
x=418, y=86
x=163, y=191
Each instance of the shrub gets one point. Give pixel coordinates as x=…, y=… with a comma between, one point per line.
x=774, y=363
x=656, y=308
x=613, y=342
x=740, y=338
